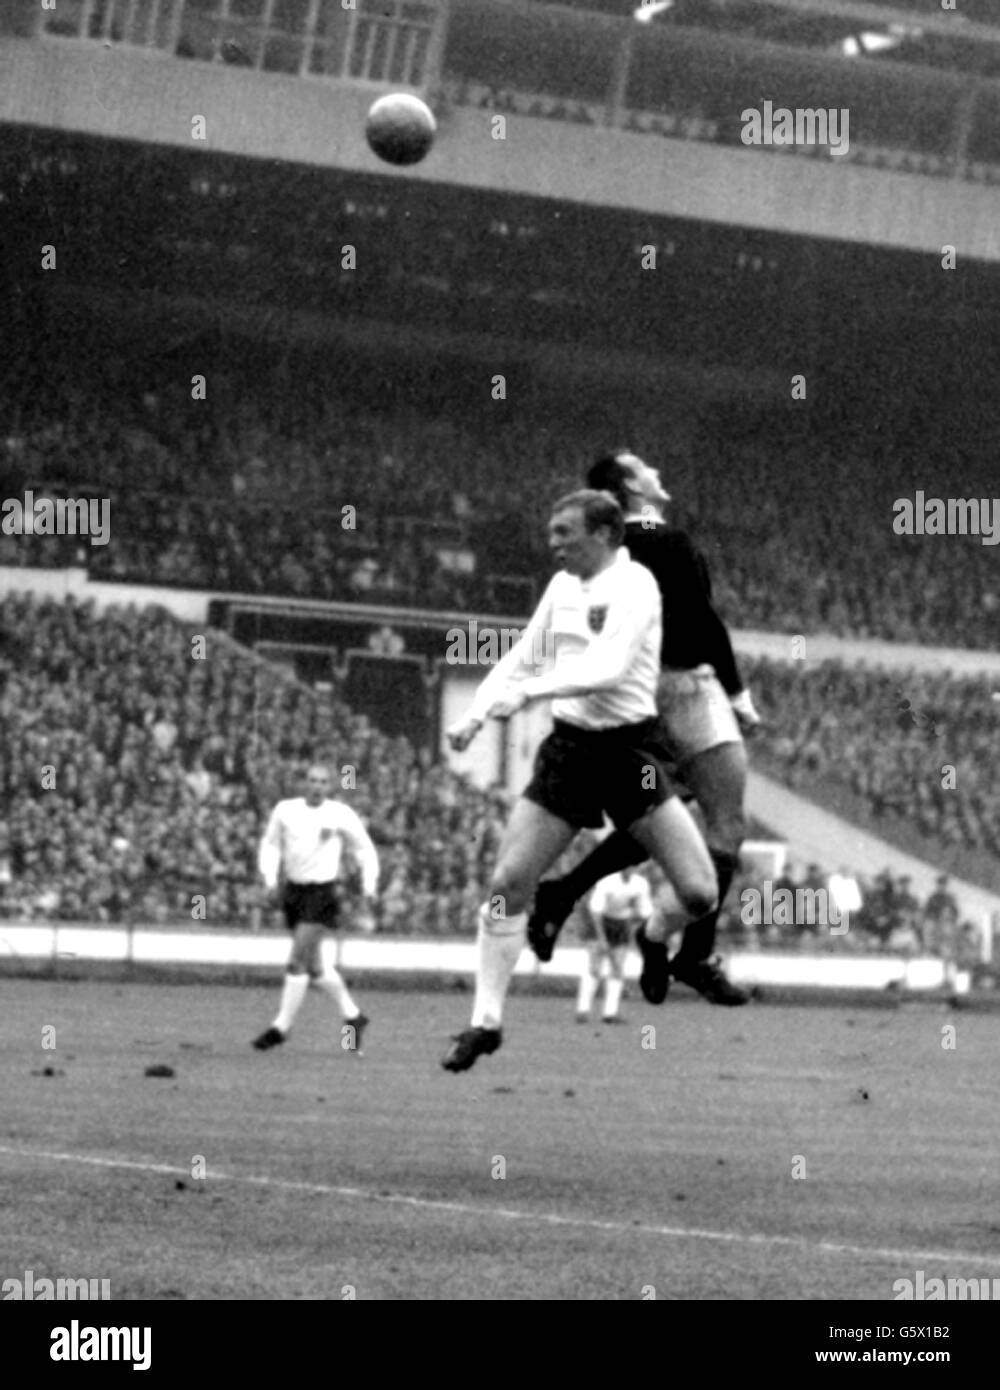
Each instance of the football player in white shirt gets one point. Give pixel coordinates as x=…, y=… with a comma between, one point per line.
x=303, y=843
x=705, y=711
x=618, y=905
x=597, y=629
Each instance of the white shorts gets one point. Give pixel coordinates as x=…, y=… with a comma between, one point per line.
x=696, y=712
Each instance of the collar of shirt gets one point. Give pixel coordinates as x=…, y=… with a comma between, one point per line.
x=622, y=557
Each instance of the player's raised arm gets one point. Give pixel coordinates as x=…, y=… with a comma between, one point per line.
x=501, y=692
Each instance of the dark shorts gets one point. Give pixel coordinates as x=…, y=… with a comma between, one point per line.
x=617, y=932
x=581, y=773
x=310, y=902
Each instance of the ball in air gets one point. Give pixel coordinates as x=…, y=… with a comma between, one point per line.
x=400, y=128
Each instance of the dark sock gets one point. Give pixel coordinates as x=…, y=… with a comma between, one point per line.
x=618, y=851
x=698, y=941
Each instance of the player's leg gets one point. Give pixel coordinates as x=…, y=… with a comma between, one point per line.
x=330, y=982
x=534, y=839
x=718, y=779
x=710, y=751
x=590, y=979
x=305, y=946
x=320, y=905
x=614, y=984
x=670, y=836
x=555, y=898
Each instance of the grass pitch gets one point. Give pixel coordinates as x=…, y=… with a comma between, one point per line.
x=576, y=1162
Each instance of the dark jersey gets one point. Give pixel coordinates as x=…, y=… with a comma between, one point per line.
x=693, y=633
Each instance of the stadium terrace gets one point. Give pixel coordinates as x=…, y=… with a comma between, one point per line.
x=958, y=516
x=47, y=516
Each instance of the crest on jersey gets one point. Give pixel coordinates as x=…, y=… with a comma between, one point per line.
x=596, y=617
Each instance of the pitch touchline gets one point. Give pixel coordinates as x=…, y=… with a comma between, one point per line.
x=400, y=1199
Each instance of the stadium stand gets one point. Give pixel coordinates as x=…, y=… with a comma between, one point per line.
x=166, y=766
x=243, y=493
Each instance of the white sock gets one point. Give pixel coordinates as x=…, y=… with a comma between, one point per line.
x=585, y=994
x=292, y=994
x=612, y=998
x=500, y=942
x=331, y=982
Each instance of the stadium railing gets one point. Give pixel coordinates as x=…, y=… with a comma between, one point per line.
x=568, y=65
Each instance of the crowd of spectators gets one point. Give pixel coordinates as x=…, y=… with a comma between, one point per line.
x=263, y=488
x=141, y=764
x=136, y=778
x=810, y=909
x=923, y=749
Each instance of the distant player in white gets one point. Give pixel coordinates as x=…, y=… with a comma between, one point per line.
x=303, y=844
x=618, y=905
x=597, y=629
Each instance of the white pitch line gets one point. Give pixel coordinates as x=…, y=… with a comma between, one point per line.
x=581, y=1223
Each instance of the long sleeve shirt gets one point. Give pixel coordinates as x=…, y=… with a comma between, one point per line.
x=622, y=901
x=307, y=842
x=592, y=646
x=693, y=633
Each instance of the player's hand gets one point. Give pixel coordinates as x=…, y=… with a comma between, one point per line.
x=365, y=920
x=746, y=714
x=271, y=895
x=509, y=703
x=461, y=734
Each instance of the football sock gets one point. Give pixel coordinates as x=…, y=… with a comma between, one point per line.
x=331, y=982
x=500, y=942
x=585, y=993
x=612, y=998
x=618, y=851
x=292, y=994
x=698, y=941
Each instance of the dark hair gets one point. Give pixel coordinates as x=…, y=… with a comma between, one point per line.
x=608, y=474
x=599, y=509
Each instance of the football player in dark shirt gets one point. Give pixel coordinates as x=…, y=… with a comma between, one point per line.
x=705, y=710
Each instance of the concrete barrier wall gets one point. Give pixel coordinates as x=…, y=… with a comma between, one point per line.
x=33, y=943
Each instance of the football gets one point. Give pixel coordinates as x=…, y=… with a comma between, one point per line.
x=400, y=128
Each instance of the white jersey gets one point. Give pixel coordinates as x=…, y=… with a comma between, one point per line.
x=598, y=638
x=307, y=841
x=622, y=901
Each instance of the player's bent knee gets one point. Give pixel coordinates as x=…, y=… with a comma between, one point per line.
x=509, y=896
x=698, y=897
x=725, y=832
